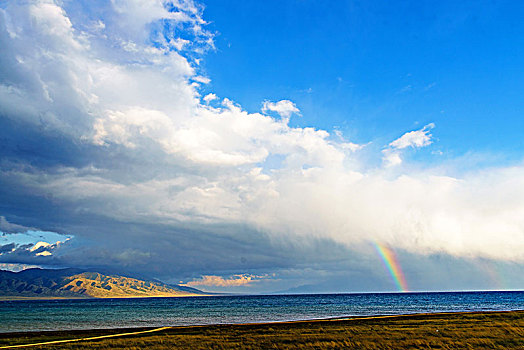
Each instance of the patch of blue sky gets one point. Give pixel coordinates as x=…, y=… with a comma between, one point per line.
x=171, y=7
x=33, y=237
x=187, y=37
x=272, y=162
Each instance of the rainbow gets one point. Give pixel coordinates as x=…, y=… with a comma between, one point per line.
x=390, y=261
x=490, y=269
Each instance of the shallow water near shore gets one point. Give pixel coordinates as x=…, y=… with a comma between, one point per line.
x=38, y=315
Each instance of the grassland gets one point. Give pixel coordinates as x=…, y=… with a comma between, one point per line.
x=487, y=330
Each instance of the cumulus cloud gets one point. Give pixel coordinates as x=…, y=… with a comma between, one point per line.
x=417, y=138
x=210, y=97
x=414, y=139
x=284, y=108
x=39, y=245
x=103, y=136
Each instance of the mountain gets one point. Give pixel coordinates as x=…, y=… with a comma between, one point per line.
x=74, y=283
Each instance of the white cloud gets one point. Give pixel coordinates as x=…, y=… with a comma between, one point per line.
x=391, y=157
x=417, y=138
x=44, y=253
x=414, y=139
x=201, y=79
x=210, y=97
x=284, y=108
x=353, y=147
x=39, y=245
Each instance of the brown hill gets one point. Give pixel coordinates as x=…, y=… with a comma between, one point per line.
x=40, y=283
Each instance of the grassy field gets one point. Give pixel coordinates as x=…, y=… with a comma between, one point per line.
x=488, y=330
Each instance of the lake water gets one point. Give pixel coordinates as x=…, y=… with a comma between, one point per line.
x=31, y=315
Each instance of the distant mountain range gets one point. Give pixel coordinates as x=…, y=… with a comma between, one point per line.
x=74, y=283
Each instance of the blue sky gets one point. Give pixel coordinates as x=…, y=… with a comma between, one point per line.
x=265, y=146
x=375, y=69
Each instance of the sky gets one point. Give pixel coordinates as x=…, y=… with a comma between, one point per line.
x=265, y=146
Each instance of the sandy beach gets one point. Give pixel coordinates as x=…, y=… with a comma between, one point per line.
x=475, y=330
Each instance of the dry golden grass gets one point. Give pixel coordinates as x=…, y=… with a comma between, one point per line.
x=493, y=330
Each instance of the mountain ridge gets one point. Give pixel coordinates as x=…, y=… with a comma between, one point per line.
x=77, y=283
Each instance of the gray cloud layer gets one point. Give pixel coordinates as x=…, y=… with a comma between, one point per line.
x=103, y=136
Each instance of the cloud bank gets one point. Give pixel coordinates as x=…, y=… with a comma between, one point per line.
x=104, y=135
x=219, y=281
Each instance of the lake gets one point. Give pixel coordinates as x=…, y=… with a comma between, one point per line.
x=36, y=315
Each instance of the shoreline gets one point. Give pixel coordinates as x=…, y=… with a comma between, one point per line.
x=475, y=329
x=21, y=298
x=214, y=294
x=263, y=323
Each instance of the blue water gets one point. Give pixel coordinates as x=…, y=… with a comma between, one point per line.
x=32, y=315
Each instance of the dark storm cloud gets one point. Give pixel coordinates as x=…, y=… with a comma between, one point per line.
x=7, y=248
